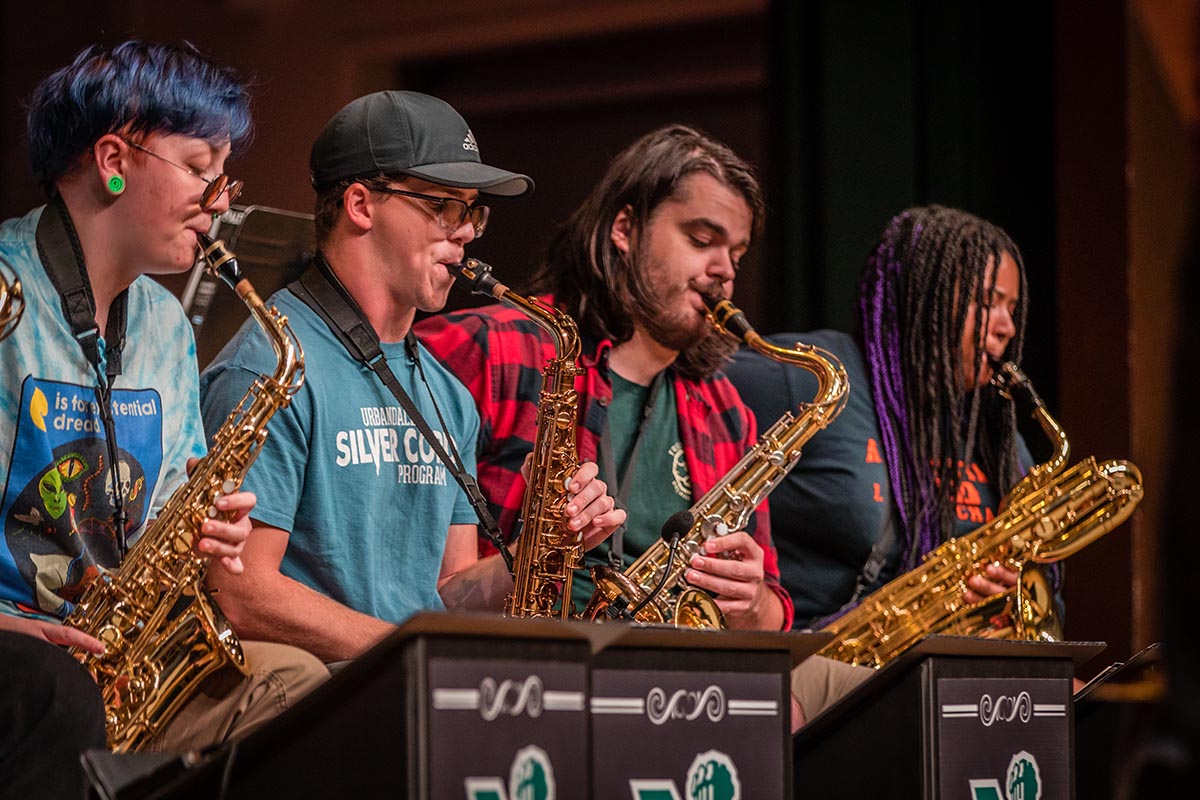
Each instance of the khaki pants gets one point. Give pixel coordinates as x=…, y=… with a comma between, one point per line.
x=819, y=682
x=230, y=705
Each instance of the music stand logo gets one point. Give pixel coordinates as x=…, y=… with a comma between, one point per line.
x=531, y=777
x=1022, y=781
x=712, y=776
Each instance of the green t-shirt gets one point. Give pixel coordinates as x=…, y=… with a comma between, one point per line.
x=659, y=484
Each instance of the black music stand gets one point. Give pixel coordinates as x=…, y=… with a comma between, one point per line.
x=455, y=705
x=446, y=699
x=1113, y=712
x=953, y=717
x=671, y=707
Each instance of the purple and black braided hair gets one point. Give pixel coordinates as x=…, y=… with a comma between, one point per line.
x=919, y=280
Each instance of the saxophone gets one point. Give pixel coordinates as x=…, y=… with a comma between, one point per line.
x=728, y=505
x=12, y=303
x=1050, y=514
x=548, y=552
x=163, y=633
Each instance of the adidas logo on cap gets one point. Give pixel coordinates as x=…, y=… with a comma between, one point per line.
x=469, y=142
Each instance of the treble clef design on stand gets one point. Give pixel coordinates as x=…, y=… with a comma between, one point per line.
x=685, y=704
x=493, y=699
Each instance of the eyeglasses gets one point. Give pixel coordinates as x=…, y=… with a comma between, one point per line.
x=215, y=186
x=451, y=212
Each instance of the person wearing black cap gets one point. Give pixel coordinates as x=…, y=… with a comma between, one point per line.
x=360, y=522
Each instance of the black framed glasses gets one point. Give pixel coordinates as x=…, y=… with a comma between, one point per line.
x=451, y=212
x=214, y=186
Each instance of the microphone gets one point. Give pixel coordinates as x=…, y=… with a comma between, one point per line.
x=676, y=525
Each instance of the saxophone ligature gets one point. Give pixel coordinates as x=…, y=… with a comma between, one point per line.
x=728, y=505
x=548, y=552
x=1051, y=513
x=12, y=301
x=162, y=631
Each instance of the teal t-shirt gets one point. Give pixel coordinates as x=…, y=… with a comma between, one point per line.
x=367, y=501
x=57, y=485
x=660, y=486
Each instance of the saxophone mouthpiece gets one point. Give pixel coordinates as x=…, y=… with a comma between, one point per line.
x=1005, y=374
x=220, y=261
x=476, y=277
x=728, y=317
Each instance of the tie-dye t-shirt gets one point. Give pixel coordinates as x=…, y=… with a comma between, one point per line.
x=57, y=504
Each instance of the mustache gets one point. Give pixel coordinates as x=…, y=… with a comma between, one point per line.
x=710, y=289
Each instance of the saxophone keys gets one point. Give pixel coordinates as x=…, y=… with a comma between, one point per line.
x=110, y=636
x=229, y=486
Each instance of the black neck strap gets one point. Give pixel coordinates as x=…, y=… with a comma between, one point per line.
x=321, y=291
x=60, y=252
x=616, y=542
x=62, y=256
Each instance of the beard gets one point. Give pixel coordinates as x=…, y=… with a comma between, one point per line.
x=702, y=349
x=677, y=328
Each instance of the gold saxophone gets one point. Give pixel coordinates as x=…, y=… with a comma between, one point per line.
x=12, y=303
x=548, y=552
x=1050, y=514
x=162, y=632
x=728, y=505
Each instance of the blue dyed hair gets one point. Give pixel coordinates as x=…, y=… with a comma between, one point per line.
x=133, y=88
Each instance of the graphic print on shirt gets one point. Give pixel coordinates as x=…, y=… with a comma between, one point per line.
x=58, y=502
x=388, y=442
x=971, y=505
x=681, y=479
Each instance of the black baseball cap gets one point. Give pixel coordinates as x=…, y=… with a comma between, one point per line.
x=406, y=133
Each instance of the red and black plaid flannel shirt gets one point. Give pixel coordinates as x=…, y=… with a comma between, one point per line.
x=499, y=353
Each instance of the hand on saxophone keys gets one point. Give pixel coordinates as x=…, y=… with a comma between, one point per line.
x=731, y=567
x=996, y=579
x=591, y=510
x=223, y=535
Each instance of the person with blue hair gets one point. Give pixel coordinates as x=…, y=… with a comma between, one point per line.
x=99, y=409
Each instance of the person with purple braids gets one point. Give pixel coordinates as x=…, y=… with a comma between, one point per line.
x=926, y=448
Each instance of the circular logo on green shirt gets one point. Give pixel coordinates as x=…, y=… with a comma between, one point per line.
x=681, y=481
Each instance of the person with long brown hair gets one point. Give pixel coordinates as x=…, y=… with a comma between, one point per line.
x=668, y=223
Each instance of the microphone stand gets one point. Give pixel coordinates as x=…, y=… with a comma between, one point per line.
x=653, y=593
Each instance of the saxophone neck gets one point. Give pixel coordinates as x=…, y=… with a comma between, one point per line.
x=1014, y=384
x=289, y=356
x=476, y=277
x=833, y=383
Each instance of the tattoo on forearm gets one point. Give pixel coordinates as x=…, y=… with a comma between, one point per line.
x=479, y=588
